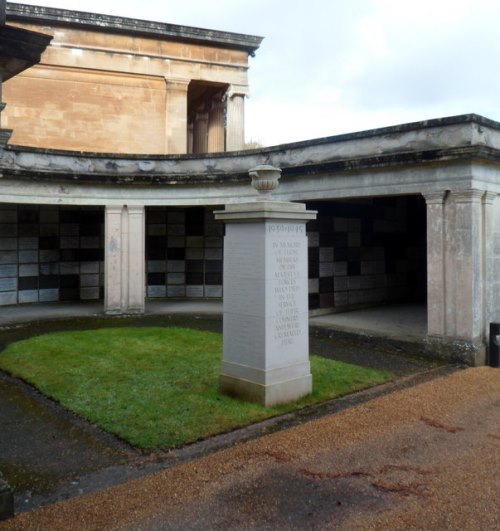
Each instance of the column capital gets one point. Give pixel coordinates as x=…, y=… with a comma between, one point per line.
x=114, y=209
x=467, y=196
x=435, y=198
x=177, y=83
x=135, y=209
x=217, y=105
x=201, y=116
x=489, y=197
x=237, y=90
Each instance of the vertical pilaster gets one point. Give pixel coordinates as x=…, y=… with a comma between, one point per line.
x=491, y=251
x=436, y=296
x=136, y=259
x=2, y=104
x=461, y=269
x=467, y=272
x=113, y=259
x=235, y=128
x=176, y=116
x=216, y=129
x=200, y=132
x=124, y=259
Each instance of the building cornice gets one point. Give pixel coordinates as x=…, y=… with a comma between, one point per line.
x=20, y=49
x=179, y=170
x=63, y=17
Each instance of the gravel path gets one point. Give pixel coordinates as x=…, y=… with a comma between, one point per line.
x=427, y=457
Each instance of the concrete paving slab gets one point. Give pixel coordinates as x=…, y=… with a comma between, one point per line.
x=399, y=321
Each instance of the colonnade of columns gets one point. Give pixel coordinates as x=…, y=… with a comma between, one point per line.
x=218, y=126
x=463, y=265
x=208, y=128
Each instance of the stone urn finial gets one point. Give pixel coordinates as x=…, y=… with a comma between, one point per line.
x=265, y=178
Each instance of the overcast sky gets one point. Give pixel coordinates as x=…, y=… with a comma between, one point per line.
x=328, y=67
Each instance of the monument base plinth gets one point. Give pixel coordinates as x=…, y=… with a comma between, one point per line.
x=266, y=395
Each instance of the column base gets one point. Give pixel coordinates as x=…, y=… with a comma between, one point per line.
x=266, y=395
x=128, y=311
x=469, y=352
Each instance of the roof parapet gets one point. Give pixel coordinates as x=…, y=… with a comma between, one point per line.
x=27, y=13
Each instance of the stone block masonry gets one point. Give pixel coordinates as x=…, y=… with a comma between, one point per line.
x=367, y=252
x=359, y=253
x=50, y=253
x=183, y=253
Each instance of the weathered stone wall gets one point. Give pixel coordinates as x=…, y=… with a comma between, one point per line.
x=105, y=91
x=366, y=252
x=77, y=110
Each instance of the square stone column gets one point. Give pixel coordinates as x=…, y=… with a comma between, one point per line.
x=176, y=126
x=124, y=260
x=491, y=207
x=459, y=270
x=235, y=118
x=464, y=264
x=265, y=323
x=435, y=264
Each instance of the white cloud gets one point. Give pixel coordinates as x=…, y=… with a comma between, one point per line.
x=332, y=66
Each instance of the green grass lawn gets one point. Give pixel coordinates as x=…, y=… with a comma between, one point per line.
x=156, y=387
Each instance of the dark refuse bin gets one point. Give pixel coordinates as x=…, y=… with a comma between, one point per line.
x=6, y=500
x=494, y=350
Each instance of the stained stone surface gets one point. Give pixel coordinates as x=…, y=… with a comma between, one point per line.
x=266, y=347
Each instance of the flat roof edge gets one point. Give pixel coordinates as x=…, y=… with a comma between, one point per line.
x=391, y=129
x=369, y=133
x=24, y=12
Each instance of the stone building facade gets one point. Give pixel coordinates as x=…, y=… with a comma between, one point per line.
x=128, y=86
x=405, y=213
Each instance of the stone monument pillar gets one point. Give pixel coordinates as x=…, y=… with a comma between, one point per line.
x=266, y=332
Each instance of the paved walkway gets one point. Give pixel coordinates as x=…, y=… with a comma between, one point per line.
x=399, y=328
x=399, y=321
x=426, y=457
